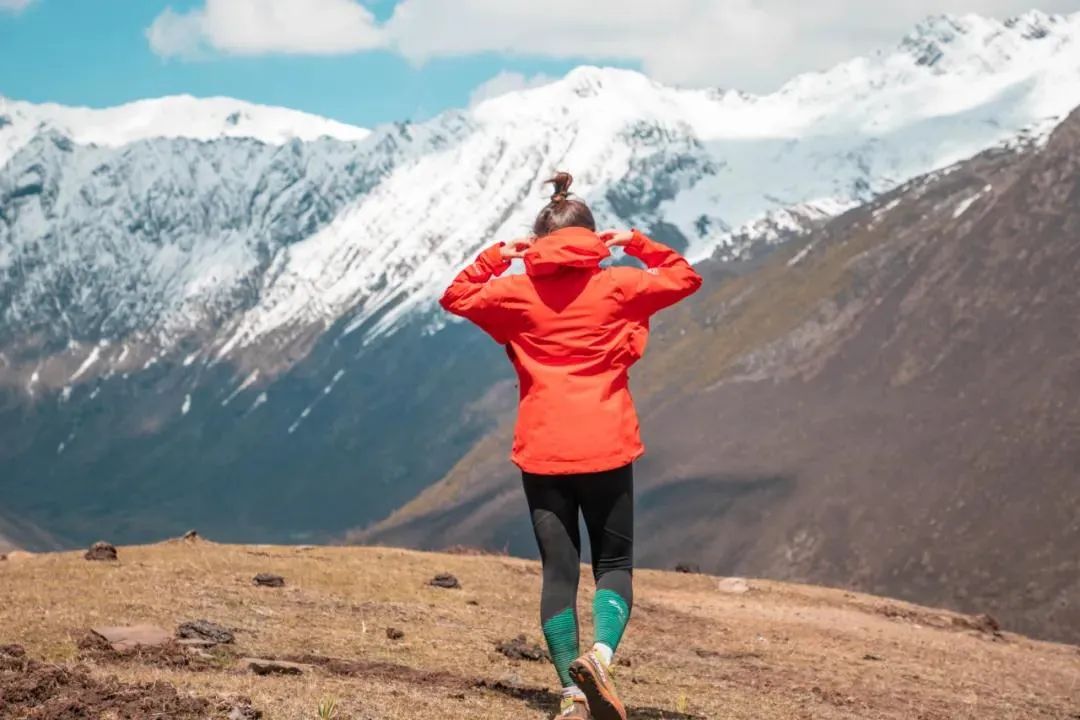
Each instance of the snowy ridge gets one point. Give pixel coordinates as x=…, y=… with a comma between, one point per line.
x=727, y=169
x=180, y=116
x=242, y=239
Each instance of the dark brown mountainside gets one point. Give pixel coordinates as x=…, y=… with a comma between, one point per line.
x=890, y=404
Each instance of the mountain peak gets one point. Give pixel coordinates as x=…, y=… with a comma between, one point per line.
x=172, y=116
x=967, y=39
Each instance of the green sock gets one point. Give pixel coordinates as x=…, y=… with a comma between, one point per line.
x=610, y=615
x=561, y=633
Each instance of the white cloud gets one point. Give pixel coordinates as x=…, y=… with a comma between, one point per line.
x=14, y=5
x=506, y=82
x=749, y=44
x=175, y=34
x=252, y=27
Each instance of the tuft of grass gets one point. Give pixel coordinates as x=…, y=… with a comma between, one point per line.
x=327, y=709
x=682, y=705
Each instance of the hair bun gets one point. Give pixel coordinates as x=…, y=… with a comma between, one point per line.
x=561, y=182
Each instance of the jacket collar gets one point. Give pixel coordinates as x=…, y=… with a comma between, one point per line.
x=572, y=247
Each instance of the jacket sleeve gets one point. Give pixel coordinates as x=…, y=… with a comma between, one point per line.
x=668, y=278
x=474, y=298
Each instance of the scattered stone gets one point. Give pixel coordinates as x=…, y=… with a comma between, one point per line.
x=16, y=555
x=191, y=536
x=394, y=633
x=624, y=661
x=735, y=586
x=475, y=603
x=521, y=649
x=205, y=631
x=244, y=712
x=445, y=580
x=269, y=580
x=872, y=657
x=261, y=666
x=101, y=551
x=688, y=568
x=128, y=638
x=703, y=653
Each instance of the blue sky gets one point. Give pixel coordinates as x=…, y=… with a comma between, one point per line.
x=95, y=52
x=373, y=61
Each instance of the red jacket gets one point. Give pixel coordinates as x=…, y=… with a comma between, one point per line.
x=572, y=331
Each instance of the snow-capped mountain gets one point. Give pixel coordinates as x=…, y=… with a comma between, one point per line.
x=227, y=249
x=181, y=116
x=226, y=224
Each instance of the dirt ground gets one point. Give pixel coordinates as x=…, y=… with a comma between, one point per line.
x=374, y=638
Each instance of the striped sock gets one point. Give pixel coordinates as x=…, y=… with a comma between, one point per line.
x=610, y=614
x=561, y=633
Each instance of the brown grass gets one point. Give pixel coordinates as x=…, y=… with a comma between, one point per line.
x=779, y=651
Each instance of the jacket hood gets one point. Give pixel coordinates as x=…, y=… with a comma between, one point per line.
x=572, y=247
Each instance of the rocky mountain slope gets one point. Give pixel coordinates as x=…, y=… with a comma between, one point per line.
x=697, y=648
x=219, y=313
x=885, y=404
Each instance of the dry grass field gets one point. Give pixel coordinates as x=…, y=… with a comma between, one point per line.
x=695, y=648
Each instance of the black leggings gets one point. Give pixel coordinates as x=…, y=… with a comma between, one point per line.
x=606, y=500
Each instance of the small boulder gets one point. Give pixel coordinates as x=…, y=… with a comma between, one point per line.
x=521, y=649
x=688, y=568
x=445, y=580
x=204, y=631
x=101, y=551
x=124, y=638
x=269, y=580
x=261, y=666
x=16, y=555
x=394, y=633
x=191, y=536
x=735, y=586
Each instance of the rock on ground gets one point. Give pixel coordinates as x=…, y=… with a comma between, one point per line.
x=129, y=638
x=205, y=630
x=269, y=580
x=101, y=551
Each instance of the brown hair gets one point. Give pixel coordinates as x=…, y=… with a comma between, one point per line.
x=563, y=211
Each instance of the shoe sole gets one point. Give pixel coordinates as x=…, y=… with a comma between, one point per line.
x=603, y=704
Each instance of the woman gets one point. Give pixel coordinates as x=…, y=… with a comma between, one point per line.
x=572, y=330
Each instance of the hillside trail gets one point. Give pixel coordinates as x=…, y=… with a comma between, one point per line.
x=366, y=629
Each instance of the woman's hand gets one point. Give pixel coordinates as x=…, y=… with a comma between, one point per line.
x=616, y=238
x=515, y=248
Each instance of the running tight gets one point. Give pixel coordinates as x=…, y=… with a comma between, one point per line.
x=606, y=500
